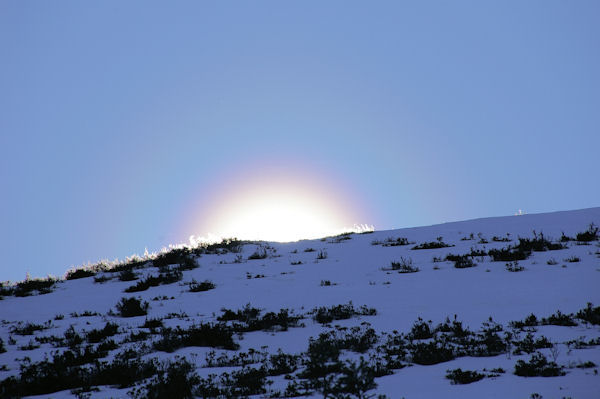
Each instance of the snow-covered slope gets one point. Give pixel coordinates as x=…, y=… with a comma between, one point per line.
x=306, y=275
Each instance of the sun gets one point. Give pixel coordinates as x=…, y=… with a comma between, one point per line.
x=279, y=208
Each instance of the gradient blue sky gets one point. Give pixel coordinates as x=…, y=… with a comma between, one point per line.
x=117, y=117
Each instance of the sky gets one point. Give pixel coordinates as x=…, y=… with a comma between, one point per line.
x=128, y=125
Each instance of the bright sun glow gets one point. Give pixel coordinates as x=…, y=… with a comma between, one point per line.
x=277, y=210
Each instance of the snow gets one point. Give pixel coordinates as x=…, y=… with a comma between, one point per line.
x=437, y=291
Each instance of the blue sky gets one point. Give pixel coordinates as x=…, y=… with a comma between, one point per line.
x=117, y=117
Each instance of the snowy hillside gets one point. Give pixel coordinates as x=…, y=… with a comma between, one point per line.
x=442, y=311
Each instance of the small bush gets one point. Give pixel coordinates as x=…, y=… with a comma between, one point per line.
x=39, y=285
x=252, y=320
x=169, y=277
x=101, y=279
x=421, y=330
x=538, y=243
x=434, y=352
x=127, y=275
x=538, y=366
x=514, y=267
x=405, y=265
x=80, y=273
x=559, y=319
x=458, y=376
x=325, y=315
x=529, y=345
x=132, y=307
x=529, y=321
x=573, y=259
x=391, y=242
x=204, y=334
x=432, y=245
x=175, y=380
x=590, y=314
x=552, y=262
x=463, y=262
x=29, y=328
x=202, y=286
x=97, y=335
x=591, y=234
x=226, y=245
x=508, y=254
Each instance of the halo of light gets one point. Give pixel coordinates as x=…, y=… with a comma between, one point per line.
x=278, y=205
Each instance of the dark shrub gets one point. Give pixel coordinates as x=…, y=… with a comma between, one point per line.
x=405, y=265
x=514, y=267
x=169, y=277
x=252, y=321
x=127, y=275
x=591, y=234
x=245, y=382
x=421, y=330
x=530, y=321
x=432, y=245
x=64, y=371
x=530, y=345
x=340, y=312
x=226, y=245
x=282, y=363
x=175, y=380
x=356, y=379
x=538, y=366
x=96, y=335
x=463, y=262
x=590, y=314
x=487, y=342
x=391, y=242
x=131, y=307
x=508, y=254
x=202, y=286
x=434, y=352
x=39, y=285
x=538, y=243
x=455, y=328
x=458, y=376
x=204, y=334
x=189, y=263
x=246, y=315
x=322, y=358
x=173, y=257
x=152, y=323
x=101, y=279
x=559, y=319
x=29, y=328
x=79, y=273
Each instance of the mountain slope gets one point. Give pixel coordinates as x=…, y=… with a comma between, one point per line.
x=364, y=269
